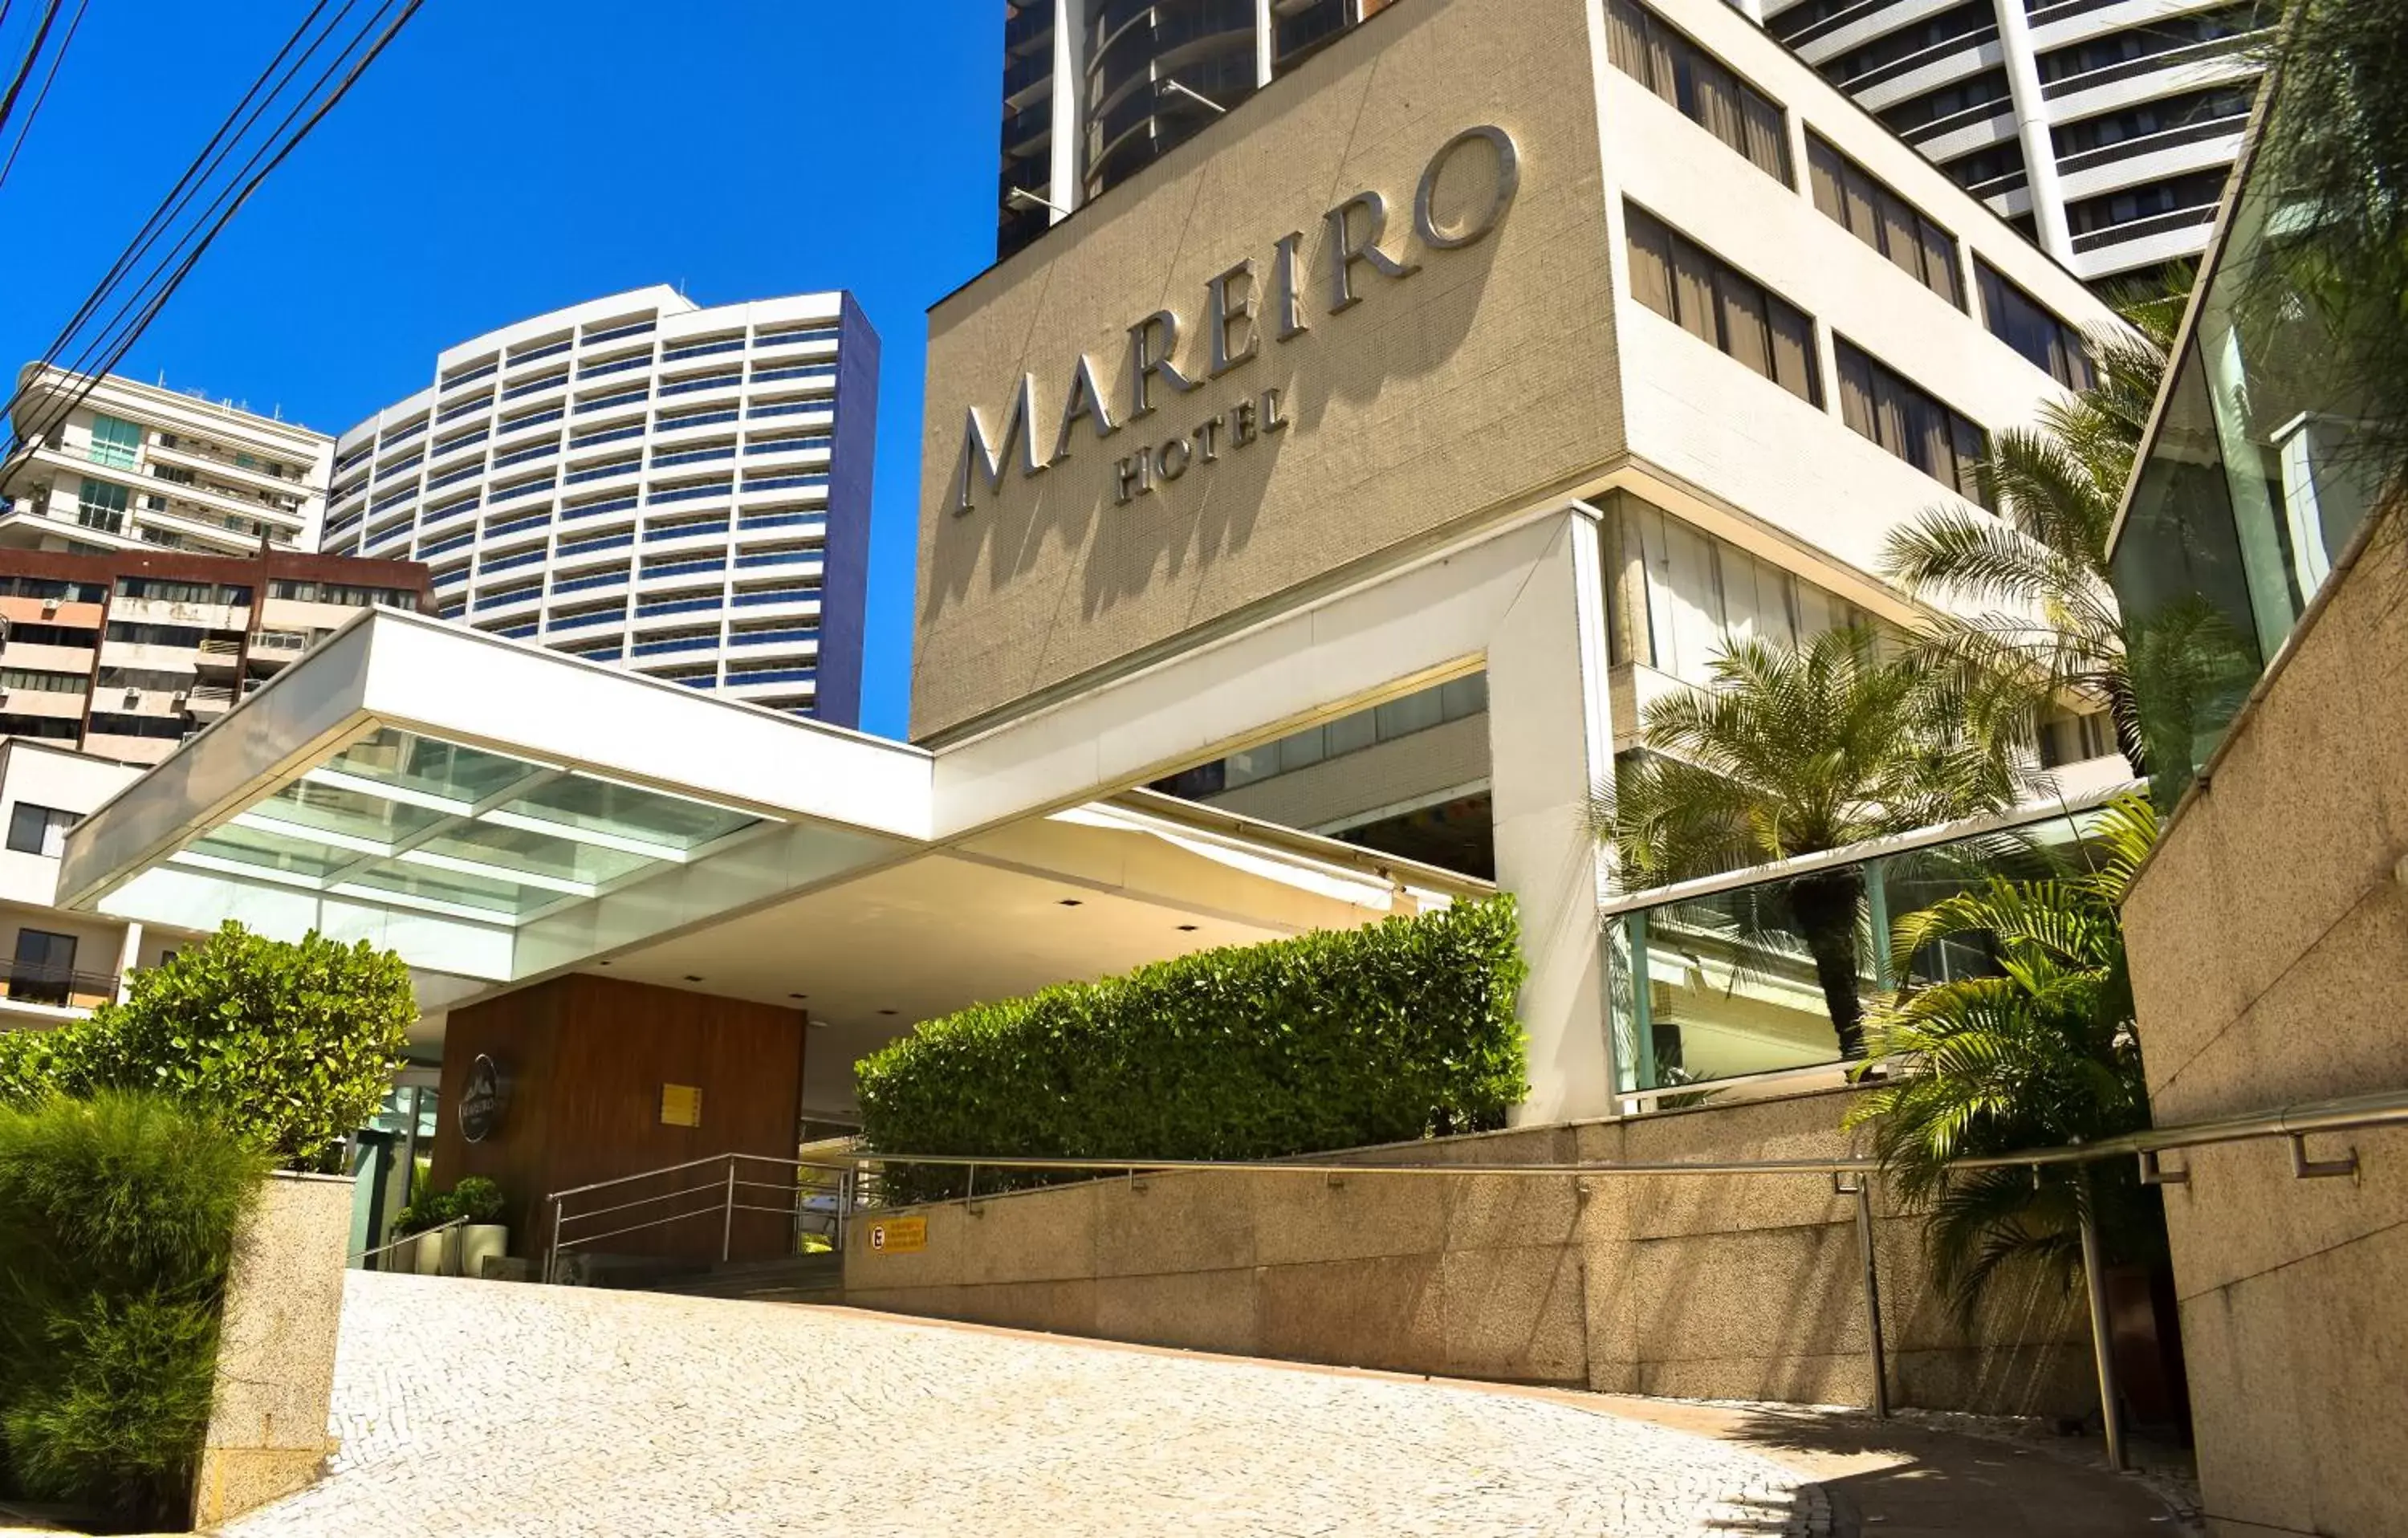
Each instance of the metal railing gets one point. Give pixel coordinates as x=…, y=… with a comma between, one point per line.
x=819, y=1199
x=1849, y=1176
x=46, y=983
x=390, y=1246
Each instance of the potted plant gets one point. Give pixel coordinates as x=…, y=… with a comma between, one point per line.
x=427, y=1212
x=479, y=1202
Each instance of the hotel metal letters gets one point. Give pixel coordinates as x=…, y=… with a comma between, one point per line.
x=1235, y=318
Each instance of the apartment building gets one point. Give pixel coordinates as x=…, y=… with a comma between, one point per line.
x=642, y=481
x=1094, y=89
x=112, y=465
x=59, y=964
x=2103, y=131
x=122, y=656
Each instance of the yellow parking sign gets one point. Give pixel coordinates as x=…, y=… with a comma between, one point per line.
x=899, y=1235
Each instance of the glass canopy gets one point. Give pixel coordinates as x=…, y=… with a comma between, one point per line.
x=408, y=819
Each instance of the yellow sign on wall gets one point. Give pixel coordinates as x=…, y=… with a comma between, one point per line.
x=681, y=1105
x=898, y=1236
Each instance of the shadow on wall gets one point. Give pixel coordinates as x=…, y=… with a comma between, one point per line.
x=1416, y=306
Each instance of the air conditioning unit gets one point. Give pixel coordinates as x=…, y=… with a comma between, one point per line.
x=133, y=697
x=182, y=695
x=50, y=606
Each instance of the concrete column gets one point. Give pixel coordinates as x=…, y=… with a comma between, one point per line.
x=1551, y=741
x=2031, y=128
x=1263, y=36
x=1069, y=91
x=127, y=955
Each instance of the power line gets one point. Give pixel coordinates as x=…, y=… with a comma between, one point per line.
x=108, y=346
x=202, y=166
x=103, y=341
x=43, y=94
x=33, y=51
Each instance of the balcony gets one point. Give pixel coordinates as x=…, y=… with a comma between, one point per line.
x=57, y=987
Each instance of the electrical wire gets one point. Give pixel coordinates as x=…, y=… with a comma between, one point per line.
x=196, y=174
x=42, y=95
x=32, y=53
x=108, y=346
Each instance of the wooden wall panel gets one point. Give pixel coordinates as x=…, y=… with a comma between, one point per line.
x=588, y=1057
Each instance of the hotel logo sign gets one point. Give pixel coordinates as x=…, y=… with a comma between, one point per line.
x=1236, y=311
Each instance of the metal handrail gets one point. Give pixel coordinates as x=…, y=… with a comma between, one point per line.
x=2294, y=1122
x=843, y=1187
x=2349, y=1113
x=406, y=1239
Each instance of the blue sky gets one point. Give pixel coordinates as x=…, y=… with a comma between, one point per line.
x=505, y=157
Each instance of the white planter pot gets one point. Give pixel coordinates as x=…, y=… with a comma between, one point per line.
x=480, y=1240
x=427, y=1254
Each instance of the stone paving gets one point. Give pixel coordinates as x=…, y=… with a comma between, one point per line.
x=483, y=1408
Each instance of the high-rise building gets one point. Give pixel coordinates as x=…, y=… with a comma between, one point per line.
x=2103, y=131
x=1094, y=89
x=123, y=655
x=135, y=466
x=642, y=481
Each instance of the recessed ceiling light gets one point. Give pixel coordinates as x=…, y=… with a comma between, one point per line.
x=1187, y=928
x=1070, y=902
x=691, y=978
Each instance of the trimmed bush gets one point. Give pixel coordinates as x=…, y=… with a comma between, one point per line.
x=292, y=1046
x=118, y=1217
x=1402, y=1030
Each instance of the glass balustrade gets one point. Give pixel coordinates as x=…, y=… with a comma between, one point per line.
x=1735, y=978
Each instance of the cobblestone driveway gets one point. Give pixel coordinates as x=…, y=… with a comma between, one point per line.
x=483, y=1408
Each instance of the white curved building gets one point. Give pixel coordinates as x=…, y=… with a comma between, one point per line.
x=2104, y=129
x=638, y=480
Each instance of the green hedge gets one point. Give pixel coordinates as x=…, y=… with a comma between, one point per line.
x=1333, y=1039
x=118, y=1216
x=292, y=1046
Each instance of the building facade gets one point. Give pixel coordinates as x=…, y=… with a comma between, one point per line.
x=127, y=466
x=1876, y=322
x=124, y=656
x=1094, y=89
x=645, y=482
x=2105, y=132
x=60, y=964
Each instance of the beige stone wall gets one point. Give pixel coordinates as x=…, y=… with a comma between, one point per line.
x=1472, y=386
x=2270, y=961
x=1716, y=1286
x=276, y=1350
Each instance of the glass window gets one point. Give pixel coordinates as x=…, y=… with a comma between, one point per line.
x=1850, y=197
x=38, y=829
x=1721, y=306
x=2032, y=329
x=429, y=766
x=1881, y=405
x=583, y=804
x=43, y=969
x=114, y=443
x=101, y=504
x=1687, y=596
x=1662, y=58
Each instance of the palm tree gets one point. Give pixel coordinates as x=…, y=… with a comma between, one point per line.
x=1796, y=751
x=2051, y=630
x=2040, y=1054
